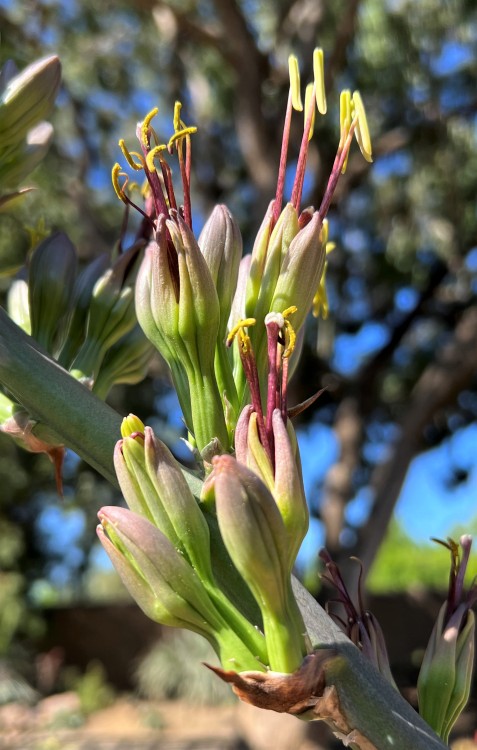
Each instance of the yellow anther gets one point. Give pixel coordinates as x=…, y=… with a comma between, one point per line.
x=320, y=300
x=238, y=330
x=116, y=173
x=131, y=424
x=290, y=339
x=345, y=120
x=128, y=155
x=324, y=232
x=294, y=73
x=362, y=131
x=289, y=311
x=152, y=155
x=319, y=77
x=145, y=126
x=329, y=247
x=181, y=134
x=177, y=116
x=309, y=93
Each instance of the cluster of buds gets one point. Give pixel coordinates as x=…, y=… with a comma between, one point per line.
x=86, y=322
x=190, y=293
x=218, y=559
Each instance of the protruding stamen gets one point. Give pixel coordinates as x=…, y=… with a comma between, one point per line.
x=116, y=173
x=177, y=123
x=294, y=73
x=179, y=134
x=345, y=120
x=319, y=77
x=238, y=329
x=146, y=125
x=309, y=94
x=362, y=131
x=128, y=155
x=152, y=155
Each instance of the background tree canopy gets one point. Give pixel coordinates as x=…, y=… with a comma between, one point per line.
x=398, y=353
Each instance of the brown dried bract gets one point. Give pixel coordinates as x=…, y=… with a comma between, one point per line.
x=285, y=693
x=303, y=692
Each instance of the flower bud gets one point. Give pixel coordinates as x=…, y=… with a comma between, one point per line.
x=165, y=586
x=157, y=576
x=126, y=361
x=28, y=98
x=51, y=277
x=300, y=272
x=288, y=492
x=446, y=672
x=74, y=328
x=154, y=486
x=221, y=245
x=255, y=537
x=178, y=309
x=111, y=315
x=26, y=156
x=17, y=304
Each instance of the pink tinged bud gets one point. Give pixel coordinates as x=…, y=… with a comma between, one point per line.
x=255, y=537
x=163, y=584
x=288, y=489
x=300, y=273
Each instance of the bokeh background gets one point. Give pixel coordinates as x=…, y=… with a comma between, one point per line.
x=388, y=450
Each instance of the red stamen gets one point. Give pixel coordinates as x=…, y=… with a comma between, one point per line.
x=277, y=206
x=301, y=166
x=340, y=158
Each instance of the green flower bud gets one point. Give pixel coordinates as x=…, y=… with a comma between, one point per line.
x=18, y=163
x=51, y=277
x=165, y=586
x=126, y=361
x=300, y=272
x=284, y=231
x=28, y=98
x=154, y=572
x=446, y=672
x=178, y=309
x=255, y=537
x=221, y=245
x=288, y=491
x=154, y=486
x=17, y=305
x=283, y=480
x=111, y=316
x=74, y=329
x=156, y=308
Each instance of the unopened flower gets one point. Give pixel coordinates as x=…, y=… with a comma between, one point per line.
x=446, y=671
x=255, y=537
x=165, y=585
x=28, y=99
x=51, y=278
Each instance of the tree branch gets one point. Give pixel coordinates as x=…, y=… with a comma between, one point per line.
x=438, y=386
